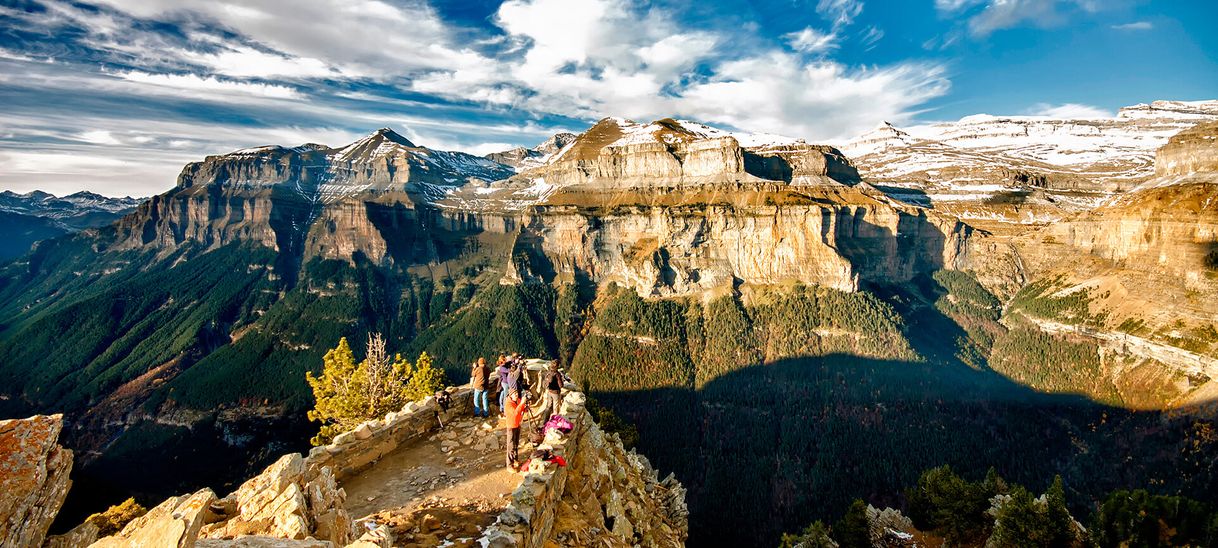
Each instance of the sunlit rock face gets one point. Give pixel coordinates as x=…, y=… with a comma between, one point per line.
x=34, y=480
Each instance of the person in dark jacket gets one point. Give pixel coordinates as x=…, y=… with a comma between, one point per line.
x=502, y=371
x=478, y=377
x=552, y=382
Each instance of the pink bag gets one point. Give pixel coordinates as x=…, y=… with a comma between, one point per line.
x=559, y=423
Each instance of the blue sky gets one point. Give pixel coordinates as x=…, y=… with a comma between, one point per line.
x=115, y=96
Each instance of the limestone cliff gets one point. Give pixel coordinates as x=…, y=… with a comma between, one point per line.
x=1138, y=277
x=34, y=480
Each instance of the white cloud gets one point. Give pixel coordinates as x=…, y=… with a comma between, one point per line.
x=194, y=82
x=871, y=37
x=99, y=137
x=356, y=38
x=247, y=62
x=839, y=12
x=1003, y=14
x=810, y=40
x=1136, y=25
x=1069, y=111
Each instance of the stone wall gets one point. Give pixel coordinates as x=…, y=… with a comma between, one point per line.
x=297, y=500
x=357, y=450
x=608, y=495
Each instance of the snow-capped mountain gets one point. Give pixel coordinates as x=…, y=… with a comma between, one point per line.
x=527, y=158
x=382, y=161
x=1045, y=163
x=79, y=210
x=37, y=215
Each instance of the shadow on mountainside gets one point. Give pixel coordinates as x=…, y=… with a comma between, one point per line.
x=770, y=448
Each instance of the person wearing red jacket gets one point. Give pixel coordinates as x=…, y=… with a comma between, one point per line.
x=516, y=407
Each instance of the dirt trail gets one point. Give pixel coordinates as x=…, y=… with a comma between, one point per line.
x=441, y=491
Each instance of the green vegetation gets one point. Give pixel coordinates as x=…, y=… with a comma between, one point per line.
x=348, y=394
x=115, y=517
x=1138, y=518
x=1040, y=299
x=952, y=507
x=992, y=513
x=500, y=318
x=1051, y=363
x=1022, y=520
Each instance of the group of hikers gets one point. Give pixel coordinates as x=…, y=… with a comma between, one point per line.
x=511, y=380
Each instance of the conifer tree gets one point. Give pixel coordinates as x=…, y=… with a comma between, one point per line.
x=853, y=530
x=348, y=394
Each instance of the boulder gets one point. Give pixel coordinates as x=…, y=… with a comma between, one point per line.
x=280, y=503
x=174, y=523
x=34, y=480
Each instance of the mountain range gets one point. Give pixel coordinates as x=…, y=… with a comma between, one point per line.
x=792, y=324
x=37, y=215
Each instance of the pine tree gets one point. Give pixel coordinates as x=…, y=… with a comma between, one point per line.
x=815, y=535
x=1061, y=525
x=853, y=530
x=348, y=394
x=426, y=379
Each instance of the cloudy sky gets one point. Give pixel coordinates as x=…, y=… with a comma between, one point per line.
x=114, y=96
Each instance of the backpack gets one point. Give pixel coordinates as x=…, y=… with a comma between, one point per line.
x=443, y=399
x=538, y=436
x=559, y=423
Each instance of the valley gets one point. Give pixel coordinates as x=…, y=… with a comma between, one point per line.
x=789, y=326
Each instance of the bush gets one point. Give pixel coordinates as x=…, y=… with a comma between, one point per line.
x=116, y=517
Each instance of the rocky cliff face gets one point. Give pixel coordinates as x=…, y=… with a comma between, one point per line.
x=34, y=480
x=621, y=154
x=1140, y=276
x=675, y=243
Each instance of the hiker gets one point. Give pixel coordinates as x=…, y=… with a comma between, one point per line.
x=516, y=407
x=502, y=371
x=551, y=382
x=477, y=378
x=518, y=377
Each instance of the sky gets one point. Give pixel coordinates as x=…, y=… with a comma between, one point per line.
x=114, y=96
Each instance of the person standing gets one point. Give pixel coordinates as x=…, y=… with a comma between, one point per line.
x=478, y=377
x=502, y=371
x=552, y=383
x=516, y=406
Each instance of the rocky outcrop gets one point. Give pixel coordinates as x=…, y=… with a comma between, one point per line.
x=605, y=496
x=525, y=158
x=1188, y=152
x=34, y=480
x=282, y=502
x=620, y=154
x=174, y=523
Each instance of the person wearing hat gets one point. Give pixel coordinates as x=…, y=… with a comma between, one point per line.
x=478, y=377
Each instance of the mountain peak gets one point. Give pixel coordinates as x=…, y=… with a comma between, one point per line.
x=378, y=143
x=389, y=134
